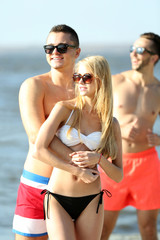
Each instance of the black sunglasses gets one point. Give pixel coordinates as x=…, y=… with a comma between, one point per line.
x=61, y=48
x=139, y=50
x=86, y=78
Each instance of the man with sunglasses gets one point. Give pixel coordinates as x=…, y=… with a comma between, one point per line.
x=136, y=106
x=37, y=97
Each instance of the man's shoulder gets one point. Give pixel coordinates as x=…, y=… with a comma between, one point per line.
x=39, y=79
x=157, y=85
x=35, y=81
x=121, y=77
x=157, y=82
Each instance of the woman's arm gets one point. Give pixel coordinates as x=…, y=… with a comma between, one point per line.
x=47, y=133
x=44, y=139
x=113, y=168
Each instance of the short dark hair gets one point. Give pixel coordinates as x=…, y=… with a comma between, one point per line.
x=155, y=38
x=66, y=29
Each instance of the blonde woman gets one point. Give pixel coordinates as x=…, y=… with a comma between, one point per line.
x=73, y=201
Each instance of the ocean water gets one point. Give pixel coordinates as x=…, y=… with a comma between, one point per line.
x=15, y=66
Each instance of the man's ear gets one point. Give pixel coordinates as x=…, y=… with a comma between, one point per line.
x=155, y=58
x=78, y=52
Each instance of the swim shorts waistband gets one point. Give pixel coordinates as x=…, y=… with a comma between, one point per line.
x=34, y=180
x=140, y=154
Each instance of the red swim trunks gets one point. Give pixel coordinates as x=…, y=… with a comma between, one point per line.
x=29, y=216
x=140, y=186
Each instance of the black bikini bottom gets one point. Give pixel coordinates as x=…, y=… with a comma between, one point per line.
x=74, y=206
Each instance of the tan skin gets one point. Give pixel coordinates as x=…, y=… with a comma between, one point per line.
x=79, y=181
x=39, y=94
x=136, y=106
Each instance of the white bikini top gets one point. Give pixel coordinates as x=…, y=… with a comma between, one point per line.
x=91, y=141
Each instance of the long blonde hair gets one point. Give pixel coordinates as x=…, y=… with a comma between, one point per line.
x=102, y=103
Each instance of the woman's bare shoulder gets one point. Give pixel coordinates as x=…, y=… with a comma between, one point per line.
x=68, y=104
x=116, y=125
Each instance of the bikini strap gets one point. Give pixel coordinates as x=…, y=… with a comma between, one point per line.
x=101, y=195
x=69, y=117
x=46, y=192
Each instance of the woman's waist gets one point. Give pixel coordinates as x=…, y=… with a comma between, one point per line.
x=62, y=182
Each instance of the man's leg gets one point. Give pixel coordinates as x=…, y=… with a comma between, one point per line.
x=110, y=218
x=147, y=221
x=20, y=237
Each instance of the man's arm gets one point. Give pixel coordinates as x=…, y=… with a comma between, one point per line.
x=153, y=138
x=31, y=96
x=60, y=148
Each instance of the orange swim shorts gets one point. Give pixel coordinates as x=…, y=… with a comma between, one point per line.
x=140, y=186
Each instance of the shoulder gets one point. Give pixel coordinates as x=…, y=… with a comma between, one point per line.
x=116, y=125
x=64, y=107
x=155, y=87
x=115, y=122
x=68, y=104
x=39, y=79
x=34, y=86
x=157, y=84
x=36, y=82
x=120, y=77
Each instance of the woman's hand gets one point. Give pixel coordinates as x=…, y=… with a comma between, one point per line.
x=89, y=175
x=85, y=159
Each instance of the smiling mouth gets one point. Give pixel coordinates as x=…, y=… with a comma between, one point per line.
x=82, y=88
x=56, y=58
x=134, y=61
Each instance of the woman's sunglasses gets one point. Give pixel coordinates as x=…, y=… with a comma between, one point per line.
x=61, y=48
x=86, y=78
x=139, y=50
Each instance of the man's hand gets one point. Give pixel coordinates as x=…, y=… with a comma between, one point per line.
x=153, y=139
x=130, y=131
x=89, y=175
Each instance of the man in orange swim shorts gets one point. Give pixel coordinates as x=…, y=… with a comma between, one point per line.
x=136, y=106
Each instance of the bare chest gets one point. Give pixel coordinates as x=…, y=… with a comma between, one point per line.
x=140, y=101
x=53, y=95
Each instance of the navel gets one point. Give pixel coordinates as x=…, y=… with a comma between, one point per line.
x=120, y=106
x=153, y=112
